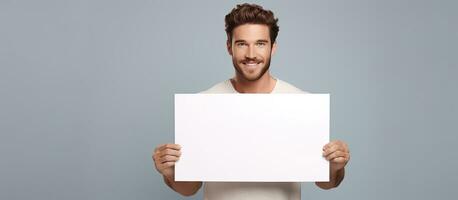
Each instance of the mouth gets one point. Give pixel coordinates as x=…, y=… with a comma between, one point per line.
x=251, y=64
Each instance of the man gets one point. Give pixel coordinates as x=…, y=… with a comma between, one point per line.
x=251, y=33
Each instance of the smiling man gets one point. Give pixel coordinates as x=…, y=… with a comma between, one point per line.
x=251, y=34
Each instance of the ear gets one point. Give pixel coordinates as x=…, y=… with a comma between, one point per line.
x=229, y=47
x=274, y=48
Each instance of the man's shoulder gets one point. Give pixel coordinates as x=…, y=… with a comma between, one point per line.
x=221, y=87
x=285, y=87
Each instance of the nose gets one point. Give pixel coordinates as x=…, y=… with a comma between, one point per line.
x=250, y=54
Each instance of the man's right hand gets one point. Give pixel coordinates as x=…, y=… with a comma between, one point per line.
x=164, y=157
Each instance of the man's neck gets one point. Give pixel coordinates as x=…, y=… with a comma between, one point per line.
x=265, y=84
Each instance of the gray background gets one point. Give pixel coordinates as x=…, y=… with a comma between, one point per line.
x=87, y=91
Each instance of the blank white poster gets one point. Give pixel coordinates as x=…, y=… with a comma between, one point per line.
x=252, y=137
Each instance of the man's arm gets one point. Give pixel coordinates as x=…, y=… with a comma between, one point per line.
x=184, y=188
x=338, y=155
x=164, y=157
x=335, y=179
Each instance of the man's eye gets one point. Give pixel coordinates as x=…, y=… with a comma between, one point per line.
x=241, y=44
x=261, y=44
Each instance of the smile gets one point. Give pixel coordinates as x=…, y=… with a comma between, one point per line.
x=251, y=64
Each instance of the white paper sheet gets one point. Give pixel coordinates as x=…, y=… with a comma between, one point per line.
x=252, y=137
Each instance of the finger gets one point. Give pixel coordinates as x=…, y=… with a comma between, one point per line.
x=346, y=147
x=335, y=155
x=335, y=142
x=154, y=153
x=159, y=154
x=343, y=145
x=339, y=160
x=166, y=165
x=159, y=147
x=156, y=157
x=170, y=146
x=156, y=150
x=170, y=152
x=326, y=146
x=331, y=149
x=168, y=158
x=344, y=158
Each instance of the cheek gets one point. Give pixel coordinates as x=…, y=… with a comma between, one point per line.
x=238, y=55
x=265, y=53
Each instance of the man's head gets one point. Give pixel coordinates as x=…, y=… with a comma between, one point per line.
x=251, y=34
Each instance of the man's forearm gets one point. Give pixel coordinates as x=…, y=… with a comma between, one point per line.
x=335, y=177
x=184, y=188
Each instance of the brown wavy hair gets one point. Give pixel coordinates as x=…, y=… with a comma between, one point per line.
x=251, y=14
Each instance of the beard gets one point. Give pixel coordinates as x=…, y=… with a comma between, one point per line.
x=239, y=70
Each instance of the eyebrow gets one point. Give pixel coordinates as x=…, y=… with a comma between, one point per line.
x=266, y=41
x=237, y=41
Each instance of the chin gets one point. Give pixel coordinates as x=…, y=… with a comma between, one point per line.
x=252, y=77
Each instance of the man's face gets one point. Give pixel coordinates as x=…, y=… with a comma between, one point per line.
x=251, y=50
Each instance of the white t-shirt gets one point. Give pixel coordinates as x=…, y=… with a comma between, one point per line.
x=252, y=190
x=226, y=87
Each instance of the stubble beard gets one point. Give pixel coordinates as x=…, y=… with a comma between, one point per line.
x=239, y=71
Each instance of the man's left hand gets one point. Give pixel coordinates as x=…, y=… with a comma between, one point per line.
x=337, y=153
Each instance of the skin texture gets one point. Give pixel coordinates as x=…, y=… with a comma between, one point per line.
x=250, y=44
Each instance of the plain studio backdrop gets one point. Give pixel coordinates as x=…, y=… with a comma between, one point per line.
x=87, y=91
